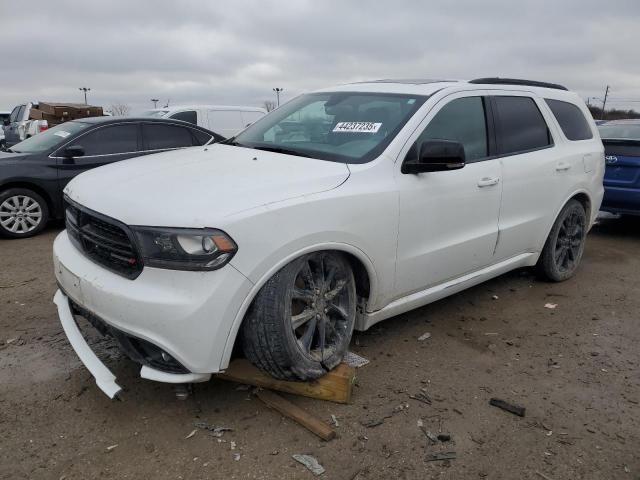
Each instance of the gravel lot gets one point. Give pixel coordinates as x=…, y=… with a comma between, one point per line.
x=574, y=368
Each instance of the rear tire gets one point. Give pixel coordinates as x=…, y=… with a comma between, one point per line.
x=565, y=245
x=23, y=213
x=300, y=324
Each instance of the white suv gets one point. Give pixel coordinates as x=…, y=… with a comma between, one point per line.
x=340, y=209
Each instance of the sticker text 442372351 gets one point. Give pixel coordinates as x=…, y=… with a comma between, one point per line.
x=357, y=127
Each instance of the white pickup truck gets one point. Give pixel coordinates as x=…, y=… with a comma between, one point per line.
x=19, y=126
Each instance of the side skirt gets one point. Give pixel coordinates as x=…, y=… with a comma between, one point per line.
x=432, y=294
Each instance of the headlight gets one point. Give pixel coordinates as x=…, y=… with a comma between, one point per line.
x=185, y=248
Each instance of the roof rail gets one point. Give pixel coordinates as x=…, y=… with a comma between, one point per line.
x=517, y=81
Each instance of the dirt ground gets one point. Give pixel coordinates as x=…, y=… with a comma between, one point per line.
x=575, y=368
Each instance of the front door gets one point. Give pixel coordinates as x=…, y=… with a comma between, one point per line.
x=103, y=145
x=448, y=223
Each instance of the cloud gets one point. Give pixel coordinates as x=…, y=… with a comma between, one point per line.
x=235, y=52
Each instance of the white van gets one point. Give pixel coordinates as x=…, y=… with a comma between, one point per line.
x=221, y=119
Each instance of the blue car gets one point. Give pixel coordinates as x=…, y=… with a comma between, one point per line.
x=621, y=139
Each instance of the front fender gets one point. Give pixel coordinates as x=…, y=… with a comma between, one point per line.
x=342, y=247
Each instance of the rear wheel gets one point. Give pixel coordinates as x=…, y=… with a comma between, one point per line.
x=23, y=213
x=300, y=323
x=565, y=245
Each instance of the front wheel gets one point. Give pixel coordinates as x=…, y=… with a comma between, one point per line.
x=565, y=245
x=23, y=213
x=300, y=323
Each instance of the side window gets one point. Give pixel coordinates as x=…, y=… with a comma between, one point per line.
x=160, y=136
x=14, y=114
x=189, y=116
x=521, y=126
x=199, y=137
x=110, y=140
x=462, y=120
x=571, y=120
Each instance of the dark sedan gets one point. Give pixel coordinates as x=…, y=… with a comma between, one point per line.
x=34, y=172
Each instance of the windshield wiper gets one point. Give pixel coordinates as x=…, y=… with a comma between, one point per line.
x=287, y=151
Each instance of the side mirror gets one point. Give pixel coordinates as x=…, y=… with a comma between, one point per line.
x=436, y=156
x=73, y=151
x=6, y=122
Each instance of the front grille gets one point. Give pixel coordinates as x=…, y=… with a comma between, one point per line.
x=104, y=240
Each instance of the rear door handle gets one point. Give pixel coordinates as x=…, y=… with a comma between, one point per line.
x=488, y=181
x=563, y=166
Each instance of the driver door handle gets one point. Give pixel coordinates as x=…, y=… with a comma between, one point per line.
x=488, y=181
x=563, y=166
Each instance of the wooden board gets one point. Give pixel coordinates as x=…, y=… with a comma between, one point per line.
x=295, y=413
x=335, y=386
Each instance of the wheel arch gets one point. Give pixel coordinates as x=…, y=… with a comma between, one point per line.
x=37, y=189
x=581, y=196
x=363, y=270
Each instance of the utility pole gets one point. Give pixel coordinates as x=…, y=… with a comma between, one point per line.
x=278, y=90
x=85, y=90
x=155, y=102
x=604, y=102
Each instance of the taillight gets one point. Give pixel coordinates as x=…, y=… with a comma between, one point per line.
x=42, y=126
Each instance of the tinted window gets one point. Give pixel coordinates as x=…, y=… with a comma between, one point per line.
x=462, y=120
x=571, y=120
x=160, y=136
x=520, y=124
x=200, y=138
x=109, y=140
x=189, y=116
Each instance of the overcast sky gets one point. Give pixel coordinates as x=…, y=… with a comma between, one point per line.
x=235, y=52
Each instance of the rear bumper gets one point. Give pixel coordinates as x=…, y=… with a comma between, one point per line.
x=621, y=200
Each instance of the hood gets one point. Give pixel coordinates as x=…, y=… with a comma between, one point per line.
x=197, y=186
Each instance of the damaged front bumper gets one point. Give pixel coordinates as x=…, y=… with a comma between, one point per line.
x=104, y=378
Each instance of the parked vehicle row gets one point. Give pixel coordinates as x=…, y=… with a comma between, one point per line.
x=222, y=119
x=34, y=172
x=342, y=208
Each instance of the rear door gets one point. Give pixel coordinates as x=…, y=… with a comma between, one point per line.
x=225, y=122
x=160, y=137
x=536, y=171
x=102, y=145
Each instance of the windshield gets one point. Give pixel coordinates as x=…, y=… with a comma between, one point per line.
x=154, y=113
x=620, y=131
x=340, y=126
x=49, y=139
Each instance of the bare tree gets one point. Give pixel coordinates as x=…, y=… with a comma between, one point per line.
x=119, y=110
x=269, y=105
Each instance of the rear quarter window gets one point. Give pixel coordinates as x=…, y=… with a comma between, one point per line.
x=571, y=120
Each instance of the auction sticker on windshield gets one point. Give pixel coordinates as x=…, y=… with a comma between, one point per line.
x=62, y=134
x=357, y=127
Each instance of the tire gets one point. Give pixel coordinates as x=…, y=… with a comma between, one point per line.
x=565, y=245
x=23, y=213
x=311, y=298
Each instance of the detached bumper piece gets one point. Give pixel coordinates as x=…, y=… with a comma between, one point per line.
x=104, y=378
x=156, y=364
